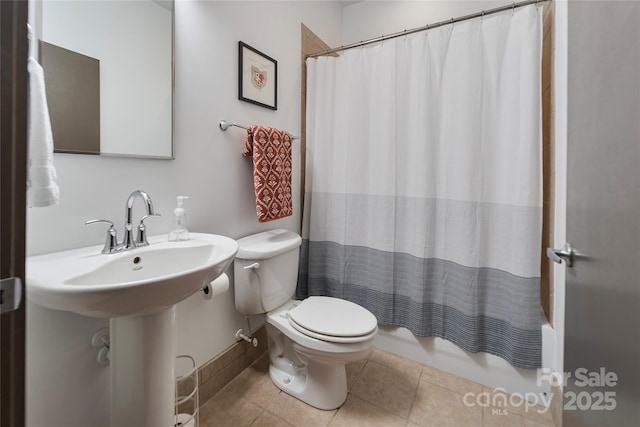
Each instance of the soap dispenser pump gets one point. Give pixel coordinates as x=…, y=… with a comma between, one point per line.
x=179, y=231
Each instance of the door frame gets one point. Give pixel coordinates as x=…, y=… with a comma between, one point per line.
x=13, y=181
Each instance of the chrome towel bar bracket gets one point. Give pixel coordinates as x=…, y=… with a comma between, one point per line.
x=224, y=125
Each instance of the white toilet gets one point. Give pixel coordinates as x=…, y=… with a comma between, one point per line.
x=310, y=341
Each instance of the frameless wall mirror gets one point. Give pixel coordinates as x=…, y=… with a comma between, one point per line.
x=109, y=74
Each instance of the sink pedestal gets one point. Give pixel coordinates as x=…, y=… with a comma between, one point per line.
x=142, y=354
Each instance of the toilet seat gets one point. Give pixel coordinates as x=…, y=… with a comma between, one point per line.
x=333, y=320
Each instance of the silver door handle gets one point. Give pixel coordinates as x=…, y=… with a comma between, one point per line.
x=558, y=255
x=10, y=294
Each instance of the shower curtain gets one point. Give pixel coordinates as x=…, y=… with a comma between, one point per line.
x=423, y=190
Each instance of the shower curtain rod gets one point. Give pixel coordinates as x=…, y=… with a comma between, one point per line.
x=426, y=27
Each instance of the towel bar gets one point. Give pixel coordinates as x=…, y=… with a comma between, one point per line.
x=224, y=125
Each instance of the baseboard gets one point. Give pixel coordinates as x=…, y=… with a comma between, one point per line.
x=219, y=371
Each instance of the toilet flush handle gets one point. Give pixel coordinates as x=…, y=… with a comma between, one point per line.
x=255, y=265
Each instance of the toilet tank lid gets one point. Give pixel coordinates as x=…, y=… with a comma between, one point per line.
x=267, y=244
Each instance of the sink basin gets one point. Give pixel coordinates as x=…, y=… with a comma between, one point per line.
x=138, y=282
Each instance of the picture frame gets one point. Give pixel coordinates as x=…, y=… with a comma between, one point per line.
x=257, y=77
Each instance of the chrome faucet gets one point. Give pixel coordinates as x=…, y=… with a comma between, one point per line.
x=129, y=242
x=111, y=244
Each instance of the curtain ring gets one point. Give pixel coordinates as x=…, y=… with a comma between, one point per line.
x=513, y=8
x=482, y=17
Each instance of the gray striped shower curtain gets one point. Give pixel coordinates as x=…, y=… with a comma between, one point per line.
x=423, y=190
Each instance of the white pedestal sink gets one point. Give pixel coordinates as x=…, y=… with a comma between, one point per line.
x=138, y=290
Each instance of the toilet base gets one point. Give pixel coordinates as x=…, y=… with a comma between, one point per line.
x=309, y=369
x=321, y=385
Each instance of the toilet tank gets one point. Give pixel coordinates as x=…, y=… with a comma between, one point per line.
x=266, y=270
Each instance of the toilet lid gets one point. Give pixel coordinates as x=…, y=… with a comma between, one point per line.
x=326, y=317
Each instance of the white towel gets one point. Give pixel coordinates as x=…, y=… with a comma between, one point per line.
x=42, y=189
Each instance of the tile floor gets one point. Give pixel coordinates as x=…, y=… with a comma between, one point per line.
x=384, y=390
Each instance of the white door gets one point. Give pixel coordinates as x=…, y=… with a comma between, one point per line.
x=602, y=335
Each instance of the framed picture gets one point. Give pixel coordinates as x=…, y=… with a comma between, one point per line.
x=257, y=77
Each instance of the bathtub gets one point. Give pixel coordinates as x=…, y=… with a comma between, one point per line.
x=483, y=368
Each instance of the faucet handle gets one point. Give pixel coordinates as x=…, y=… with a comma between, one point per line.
x=111, y=242
x=141, y=239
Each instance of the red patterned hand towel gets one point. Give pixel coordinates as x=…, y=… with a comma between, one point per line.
x=271, y=151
